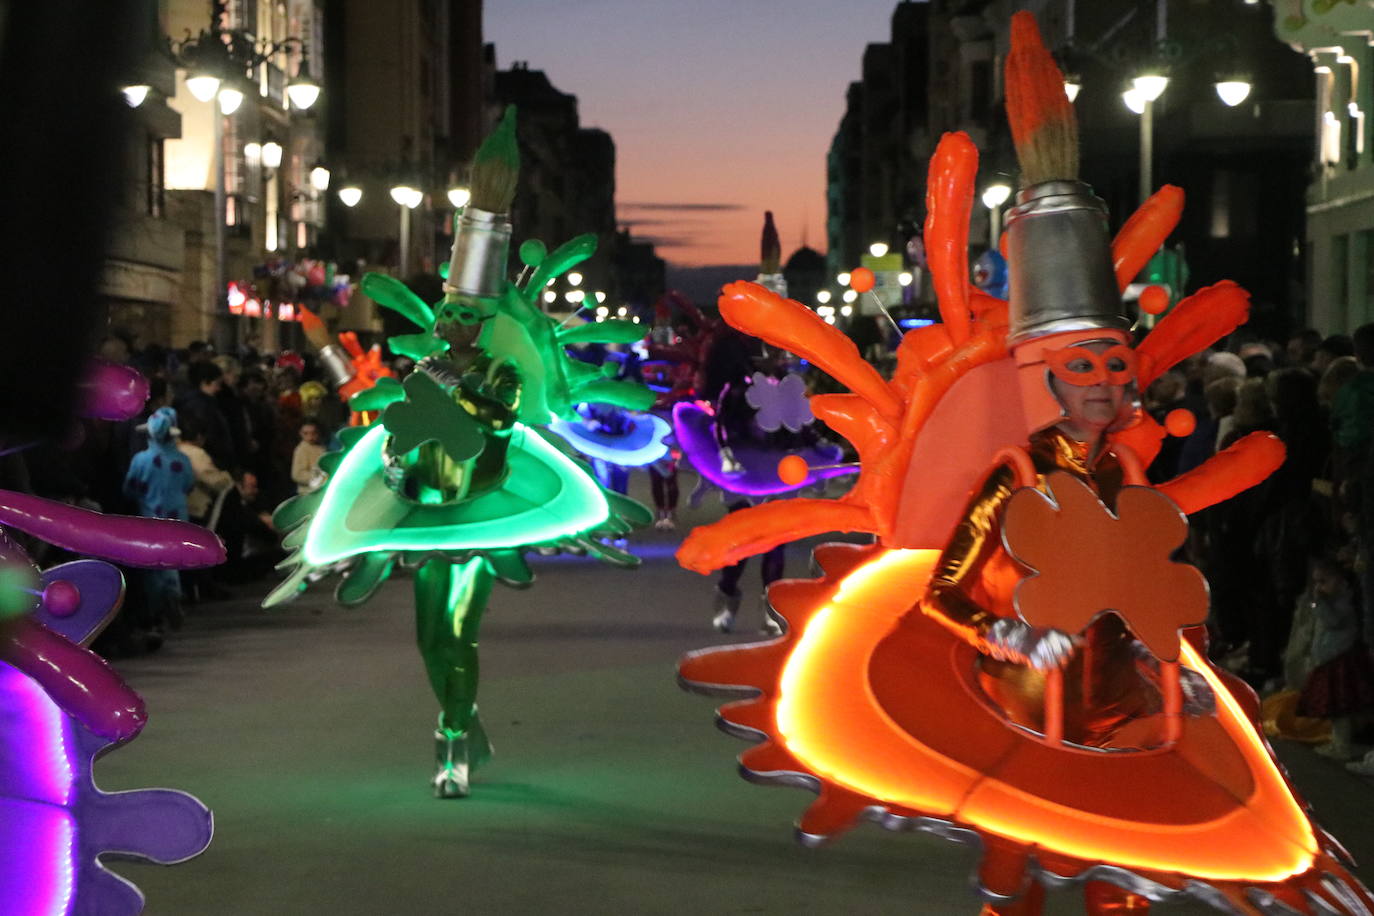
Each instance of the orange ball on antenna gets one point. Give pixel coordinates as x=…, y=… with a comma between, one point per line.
x=861, y=279
x=793, y=469
x=1180, y=423
x=1154, y=300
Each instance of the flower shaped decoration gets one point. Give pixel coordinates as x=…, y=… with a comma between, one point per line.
x=779, y=403
x=426, y=414
x=1088, y=561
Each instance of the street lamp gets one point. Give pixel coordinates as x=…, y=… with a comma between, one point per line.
x=407, y=199
x=459, y=197
x=823, y=296
x=1072, y=86
x=302, y=91
x=1233, y=92
x=842, y=278
x=319, y=178
x=1147, y=87
x=350, y=194
x=212, y=59
x=574, y=279
x=230, y=98
x=271, y=154
x=994, y=195
x=135, y=95
x=878, y=249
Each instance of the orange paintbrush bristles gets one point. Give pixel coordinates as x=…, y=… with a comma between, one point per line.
x=1043, y=125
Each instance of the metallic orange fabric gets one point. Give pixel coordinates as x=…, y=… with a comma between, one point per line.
x=1108, y=701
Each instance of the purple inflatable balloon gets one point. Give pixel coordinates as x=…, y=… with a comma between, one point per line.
x=151, y=543
x=112, y=392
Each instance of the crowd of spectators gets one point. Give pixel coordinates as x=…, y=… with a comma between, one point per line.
x=221, y=442
x=1288, y=561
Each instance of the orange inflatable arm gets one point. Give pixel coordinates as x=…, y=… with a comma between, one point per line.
x=1144, y=232
x=760, y=529
x=1194, y=325
x=949, y=196
x=793, y=326
x=1226, y=473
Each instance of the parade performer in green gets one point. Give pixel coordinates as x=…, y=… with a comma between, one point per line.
x=450, y=472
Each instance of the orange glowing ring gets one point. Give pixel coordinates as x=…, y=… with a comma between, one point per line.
x=850, y=701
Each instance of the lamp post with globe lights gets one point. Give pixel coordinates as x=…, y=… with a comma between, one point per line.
x=218, y=62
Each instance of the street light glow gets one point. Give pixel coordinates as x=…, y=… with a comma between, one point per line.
x=303, y=91
x=402, y=193
x=1233, y=92
x=202, y=86
x=1071, y=88
x=230, y=98
x=842, y=278
x=459, y=197
x=905, y=278
x=847, y=310
x=1134, y=101
x=878, y=249
x=271, y=154
x=994, y=195
x=135, y=95
x=823, y=296
x=849, y=295
x=574, y=295
x=575, y=278
x=350, y=195
x=1150, y=85
x=319, y=178
x=600, y=296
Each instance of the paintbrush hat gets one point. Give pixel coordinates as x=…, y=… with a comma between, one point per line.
x=1058, y=248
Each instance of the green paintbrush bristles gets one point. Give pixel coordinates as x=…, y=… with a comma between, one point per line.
x=496, y=167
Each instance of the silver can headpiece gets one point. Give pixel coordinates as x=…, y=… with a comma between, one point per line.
x=1060, y=259
x=481, y=250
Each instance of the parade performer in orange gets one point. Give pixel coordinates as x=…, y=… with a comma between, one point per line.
x=1016, y=662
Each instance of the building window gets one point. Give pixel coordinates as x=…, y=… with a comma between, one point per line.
x=156, y=179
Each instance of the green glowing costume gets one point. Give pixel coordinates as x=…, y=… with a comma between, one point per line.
x=456, y=477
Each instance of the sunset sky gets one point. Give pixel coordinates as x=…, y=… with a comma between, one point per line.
x=720, y=109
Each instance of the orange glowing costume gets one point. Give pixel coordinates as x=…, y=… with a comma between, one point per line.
x=881, y=695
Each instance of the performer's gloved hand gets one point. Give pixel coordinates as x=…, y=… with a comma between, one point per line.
x=1012, y=640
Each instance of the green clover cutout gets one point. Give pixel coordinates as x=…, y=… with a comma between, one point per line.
x=428, y=414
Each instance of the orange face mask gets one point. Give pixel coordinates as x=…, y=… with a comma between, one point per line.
x=1084, y=368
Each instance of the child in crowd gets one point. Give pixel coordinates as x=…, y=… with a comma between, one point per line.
x=305, y=470
x=1338, y=684
x=157, y=482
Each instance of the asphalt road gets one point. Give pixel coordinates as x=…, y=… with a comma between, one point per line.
x=307, y=729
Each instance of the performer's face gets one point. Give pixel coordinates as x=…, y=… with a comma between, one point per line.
x=1091, y=408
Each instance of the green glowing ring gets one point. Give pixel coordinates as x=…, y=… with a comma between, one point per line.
x=544, y=497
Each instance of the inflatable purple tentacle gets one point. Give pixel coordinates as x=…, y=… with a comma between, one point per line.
x=151, y=543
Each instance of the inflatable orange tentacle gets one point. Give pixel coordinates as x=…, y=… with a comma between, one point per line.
x=855, y=419
x=745, y=534
x=1226, y=473
x=793, y=326
x=949, y=198
x=919, y=350
x=1191, y=327
x=1144, y=232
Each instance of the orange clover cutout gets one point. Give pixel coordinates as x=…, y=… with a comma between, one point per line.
x=1087, y=560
